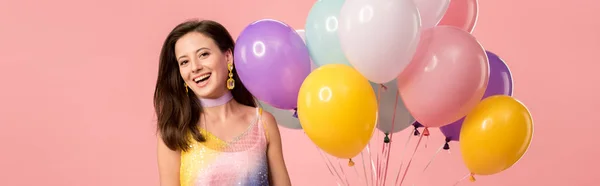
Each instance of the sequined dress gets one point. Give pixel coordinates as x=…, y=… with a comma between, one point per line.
x=241, y=161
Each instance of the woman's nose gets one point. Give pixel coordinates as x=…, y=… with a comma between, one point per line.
x=196, y=66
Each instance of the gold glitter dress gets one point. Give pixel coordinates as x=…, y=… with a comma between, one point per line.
x=241, y=161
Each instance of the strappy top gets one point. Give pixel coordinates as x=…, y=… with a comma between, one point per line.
x=215, y=162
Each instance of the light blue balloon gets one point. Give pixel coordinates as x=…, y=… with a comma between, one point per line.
x=284, y=118
x=387, y=103
x=321, y=33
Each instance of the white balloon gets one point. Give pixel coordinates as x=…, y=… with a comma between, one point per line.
x=431, y=11
x=302, y=34
x=379, y=37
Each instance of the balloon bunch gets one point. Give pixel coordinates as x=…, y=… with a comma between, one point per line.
x=362, y=65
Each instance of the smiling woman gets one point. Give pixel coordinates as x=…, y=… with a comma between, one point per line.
x=210, y=131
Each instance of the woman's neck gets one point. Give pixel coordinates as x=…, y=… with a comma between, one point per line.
x=224, y=99
x=219, y=108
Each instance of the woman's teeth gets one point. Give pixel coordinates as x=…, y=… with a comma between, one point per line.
x=202, y=78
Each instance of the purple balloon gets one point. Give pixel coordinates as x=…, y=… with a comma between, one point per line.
x=500, y=83
x=272, y=62
x=452, y=131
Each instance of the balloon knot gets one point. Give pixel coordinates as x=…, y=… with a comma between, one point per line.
x=350, y=163
x=426, y=131
x=446, y=146
x=386, y=139
x=383, y=87
x=417, y=124
x=296, y=113
x=472, y=177
x=416, y=133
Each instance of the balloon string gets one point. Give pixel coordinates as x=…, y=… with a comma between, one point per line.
x=447, y=146
x=377, y=165
x=429, y=163
x=413, y=155
x=373, y=173
x=330, y=166
x=362, y=157
x=391, y=138
x=410, y=135
x=384, y=163
x=380, y=164
x=433, y=157
x=426, y=134
x=342, y=170
x=382, y=148
x=462, y=179
x=358, y=175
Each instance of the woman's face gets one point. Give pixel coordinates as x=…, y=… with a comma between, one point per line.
x=202, y=65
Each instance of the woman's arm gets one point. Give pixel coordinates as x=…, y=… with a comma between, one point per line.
x=278, y=172
x=168, y=164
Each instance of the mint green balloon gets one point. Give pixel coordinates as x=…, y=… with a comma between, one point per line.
x=321, y=33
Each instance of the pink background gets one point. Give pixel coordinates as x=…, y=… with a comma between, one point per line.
x=77, y=81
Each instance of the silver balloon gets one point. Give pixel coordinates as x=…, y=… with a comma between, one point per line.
x=284, y=118
x=387, y=102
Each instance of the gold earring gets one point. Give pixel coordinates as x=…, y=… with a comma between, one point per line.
x=230, y=81
x=186, y=87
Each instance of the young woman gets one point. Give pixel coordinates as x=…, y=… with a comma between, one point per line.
x=210, y=131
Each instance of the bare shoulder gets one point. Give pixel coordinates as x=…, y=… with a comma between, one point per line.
x=271, y=126
x=269, y=119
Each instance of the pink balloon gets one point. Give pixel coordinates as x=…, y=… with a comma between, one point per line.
x=461, y=14
x=446, y=78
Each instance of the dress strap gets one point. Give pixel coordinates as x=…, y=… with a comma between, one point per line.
x=264, y=125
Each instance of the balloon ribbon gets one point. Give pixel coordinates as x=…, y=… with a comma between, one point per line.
x=390, y=138
x=425, y=132
x=470, y=176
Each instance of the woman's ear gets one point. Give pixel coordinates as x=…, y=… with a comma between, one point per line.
x=229, y=56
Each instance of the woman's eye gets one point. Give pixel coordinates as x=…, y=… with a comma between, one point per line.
x=204, y=54
x=183, y=62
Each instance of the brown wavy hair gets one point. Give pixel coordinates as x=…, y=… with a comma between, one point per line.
x=178, y=112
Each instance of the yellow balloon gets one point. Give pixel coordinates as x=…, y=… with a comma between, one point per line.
x=495, y=135
x=337, y=109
